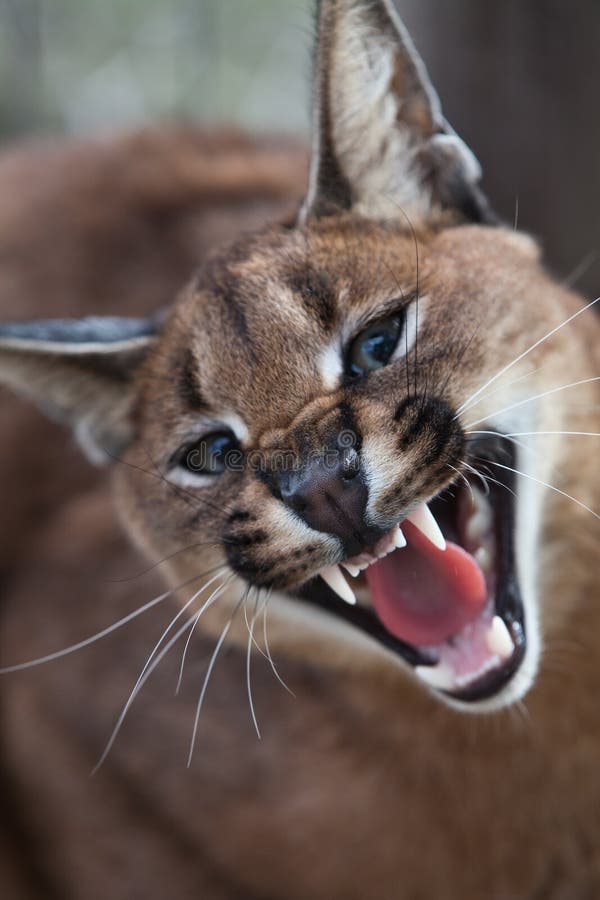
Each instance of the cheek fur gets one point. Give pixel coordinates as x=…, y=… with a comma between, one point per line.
x=271, y=547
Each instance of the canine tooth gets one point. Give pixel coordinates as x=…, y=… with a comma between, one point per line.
x=478, y=525
x=484, y=558
x=333, y=577
x=498, y=638
x=351, y=569
x=399, y=539
x=440, y=677
x=423, y=519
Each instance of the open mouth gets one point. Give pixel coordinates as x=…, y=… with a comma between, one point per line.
x=441, y=586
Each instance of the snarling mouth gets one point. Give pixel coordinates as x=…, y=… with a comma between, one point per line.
x=448, y=601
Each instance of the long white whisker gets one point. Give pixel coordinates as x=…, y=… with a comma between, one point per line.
x=211, y=664
x=186, y=605
x=99, y=635
x=478, y=474
x=464, y=478
x=137, y=689
x=562, y=387
x=545, y=484
x=533, y=433
x=503, y=387
x=254, y=640
x=209, y=602
x=471, y=400
x=508, y=437
x=268, y=651
x=151, y=664
x=487, y=478
x=248, y=657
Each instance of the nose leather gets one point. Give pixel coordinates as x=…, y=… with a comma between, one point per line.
x=330, y=497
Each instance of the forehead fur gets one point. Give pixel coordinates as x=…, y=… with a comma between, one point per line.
x=248, y=335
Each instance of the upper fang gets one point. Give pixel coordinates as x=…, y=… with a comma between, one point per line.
x=423, y=519
x=333, y=577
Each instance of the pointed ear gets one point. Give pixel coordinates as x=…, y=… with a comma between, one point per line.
x=381, y=145
x=80, y=372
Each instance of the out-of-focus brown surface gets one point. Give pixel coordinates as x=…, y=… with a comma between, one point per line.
x=519, y=82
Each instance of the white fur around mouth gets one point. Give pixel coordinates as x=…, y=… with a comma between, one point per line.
x=422, y=518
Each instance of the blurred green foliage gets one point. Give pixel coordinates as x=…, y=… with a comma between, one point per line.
x=73, y=65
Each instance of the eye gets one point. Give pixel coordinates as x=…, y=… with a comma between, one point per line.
x=373, y=348
x=211, y=455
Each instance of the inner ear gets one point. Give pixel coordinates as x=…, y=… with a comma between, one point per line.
x=80, y=372
x=381, y=145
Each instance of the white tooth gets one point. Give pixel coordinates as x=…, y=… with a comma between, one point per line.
x=399, y=539
x=481, y=504
x=351, y=569
x=440, y=677
x=336, y=581
x=477, y=526
x=498, y=638
x=484, y=559
x=423, y=519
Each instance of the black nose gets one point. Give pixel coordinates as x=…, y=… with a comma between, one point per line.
x=330, y=494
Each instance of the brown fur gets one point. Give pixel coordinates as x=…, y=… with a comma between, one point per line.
x=364, y=785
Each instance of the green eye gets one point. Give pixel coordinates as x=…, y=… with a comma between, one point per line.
x=373, y=348
x=211, y=455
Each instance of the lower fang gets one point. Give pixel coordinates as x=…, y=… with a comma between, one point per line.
x=440, y=677
x=399, y=539
x=484, y=558
x=499, y=640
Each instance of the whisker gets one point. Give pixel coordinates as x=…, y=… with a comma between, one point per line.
x=544, y=484
x=182, y=493
x=562, y=387
x=73, y=648
x=581, y=268
x=533, y=433
x=269, y=656
x=211, y=664
x=489, y=477
x=140, y=685
x=478, y=474
x=471, y=400
x=464, y=478
x=151, y=664
x=212, y=599
x=507, y=437
x=248, y=657
x=503, y=387
x=155, y=565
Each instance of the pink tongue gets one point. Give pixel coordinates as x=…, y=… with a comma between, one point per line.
x=424, y=595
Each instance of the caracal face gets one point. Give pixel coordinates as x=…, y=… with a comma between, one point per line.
x=335, y=419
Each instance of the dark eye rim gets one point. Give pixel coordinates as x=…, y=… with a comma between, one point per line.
x=179, y=460
x=351, y=376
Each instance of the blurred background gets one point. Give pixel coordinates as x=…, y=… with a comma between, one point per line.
x=519, y=80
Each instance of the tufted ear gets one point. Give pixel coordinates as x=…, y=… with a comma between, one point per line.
x=381, y=145
x=80, y=372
